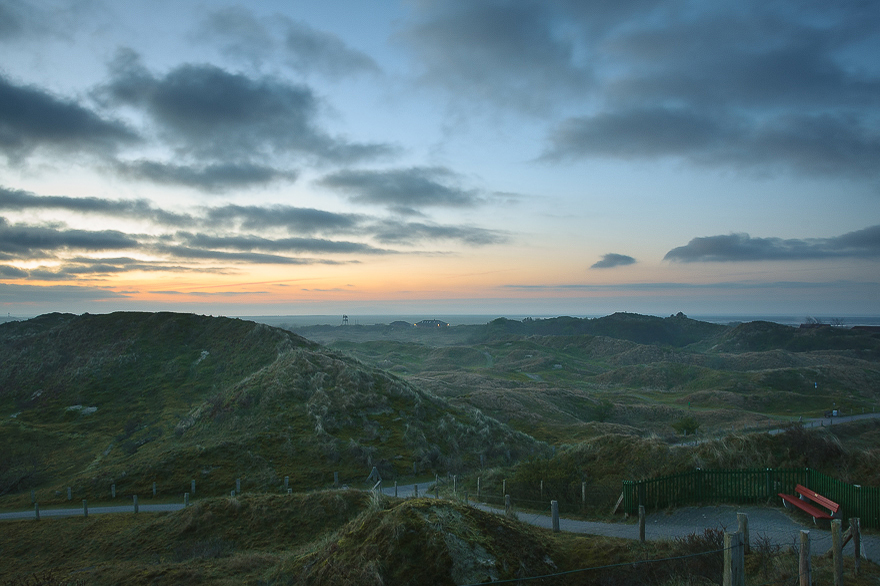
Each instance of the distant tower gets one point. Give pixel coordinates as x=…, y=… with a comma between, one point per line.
x=345, y=320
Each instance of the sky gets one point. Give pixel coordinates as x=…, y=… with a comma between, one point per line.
x=552, y=157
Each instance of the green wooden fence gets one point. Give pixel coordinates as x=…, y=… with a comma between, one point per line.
x=746, y=486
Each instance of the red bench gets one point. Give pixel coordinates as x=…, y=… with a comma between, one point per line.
x=805, y=502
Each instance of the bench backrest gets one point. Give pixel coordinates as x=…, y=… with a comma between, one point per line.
x=816, y=497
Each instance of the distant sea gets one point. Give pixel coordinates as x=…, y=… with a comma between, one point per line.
x=456, y=320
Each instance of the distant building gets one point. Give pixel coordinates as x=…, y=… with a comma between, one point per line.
x=432, y=323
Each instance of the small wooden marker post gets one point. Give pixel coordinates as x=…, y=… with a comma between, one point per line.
x=507, y=504
x=113, y=490
x=154, y=490
x=454, y=484
x=837, y=551
x=395, y=489
x=186, y=499
x=641, y=523
x=286, y=482
x=805, y=568
x=734, y=560
x=135, y=499
x=554, y=513
x=37, y=511
x=504, y=486
x=69, y=493
x=238, y=486
x=479, y=488
x=583, y=495
x=85, y=509
x=855, y=528
x=542, y=490
x=743, y=522
x=192, y=487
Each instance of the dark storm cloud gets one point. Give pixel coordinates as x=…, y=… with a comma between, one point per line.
x=26, y=241
x=779, y=86
x=211, y=113
x=31, y=117
x=403, y=190
x=742, y=247
x=612, y=260
x=290, y=245
x=215, y=178
x=515, y=53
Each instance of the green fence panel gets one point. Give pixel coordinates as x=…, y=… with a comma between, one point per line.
x=746, y=486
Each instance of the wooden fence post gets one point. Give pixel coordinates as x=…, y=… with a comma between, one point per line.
x=113, y=490
x=154, y=490
x=743, y=521
x=507, y=504
x=583, y=494
x=192, y=487
x=85, y=509
x=395, y=489
x=69, y=493
x=504, y=486
x=837, y=551
x=855, y=527
x=542, y=490
x=479, y=488
x=186, y=499
x=135, y=503
x=641, y=523
x=554, y=511
x=238, y=486
x=286, y=482
x=734, y=560
x=454, y=484
x=805, y=568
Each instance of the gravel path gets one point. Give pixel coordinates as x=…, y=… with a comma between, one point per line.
x=774, y=524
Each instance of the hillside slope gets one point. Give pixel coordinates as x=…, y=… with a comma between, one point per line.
x=136, y=398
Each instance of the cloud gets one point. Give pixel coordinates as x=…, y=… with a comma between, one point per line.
x=864, y=244
x=772, y=87
x=311, y=50
x=18, y=200
x=391, y=232
x=24, y=241
x=213, y=114
x=58, y=295
x=215, y=178
x=305, y=49
x=31, y=118
x=612, y=260
x=403, y=190
x=294, y=219
x=298, y=245
x=518, y=54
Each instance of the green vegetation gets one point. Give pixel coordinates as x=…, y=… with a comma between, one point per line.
x=549, y=406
